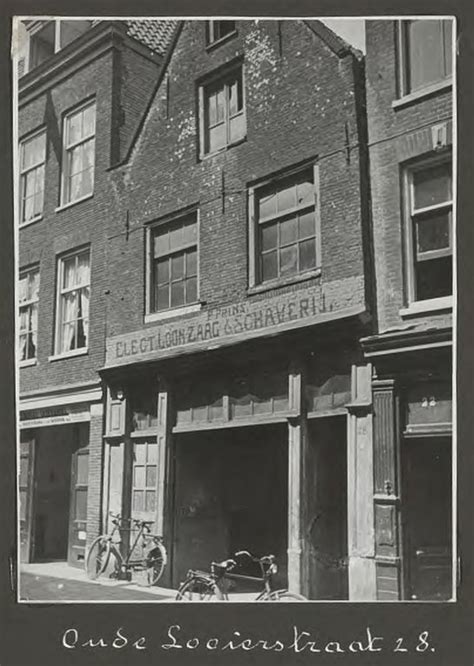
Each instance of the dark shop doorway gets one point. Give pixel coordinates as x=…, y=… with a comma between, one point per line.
x=231, y=494
x=427, y=517
x=327, y=509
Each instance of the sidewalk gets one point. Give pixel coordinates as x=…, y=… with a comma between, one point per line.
x=57, y=581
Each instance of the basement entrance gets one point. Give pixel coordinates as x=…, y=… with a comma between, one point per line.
x=231, y=493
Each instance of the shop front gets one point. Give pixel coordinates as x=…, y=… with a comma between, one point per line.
x=248, y=447
x=54, y=476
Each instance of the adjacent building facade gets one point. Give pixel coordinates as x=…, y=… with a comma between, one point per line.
x=235, y=297
x=410, y=120
x=80, y=99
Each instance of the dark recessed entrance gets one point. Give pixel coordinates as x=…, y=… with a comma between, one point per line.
x=231, y=493
x=427, y=517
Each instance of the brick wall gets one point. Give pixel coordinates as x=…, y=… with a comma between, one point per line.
x=300, y=104
x=396, y=136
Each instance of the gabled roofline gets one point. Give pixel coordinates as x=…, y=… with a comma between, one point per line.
x=338, y=46
x=163, y=69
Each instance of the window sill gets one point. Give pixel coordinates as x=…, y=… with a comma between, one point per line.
x=28, y=363
x=32, y=221
x=276, y=284
x=174, y=312
x=213, y=45
x=70, y=354
x=73, y=203
x=206, y=156
x=426, y=307
x=421, y=94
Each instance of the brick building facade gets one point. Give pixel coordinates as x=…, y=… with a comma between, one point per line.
x=80, y=99
x=410, y=121
x=239, y=286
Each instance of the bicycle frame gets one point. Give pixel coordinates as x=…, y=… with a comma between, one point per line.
x=128, y=561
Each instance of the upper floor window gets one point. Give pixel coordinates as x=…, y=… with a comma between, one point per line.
x=217, y=30
x=284, y=227
x=28, y=303
x=78, y=153
x=426, y=53
x=430, y=232
x=32, y=160
x=174, y=263
x=72, y=324
x=48, y=37
x=222, y=112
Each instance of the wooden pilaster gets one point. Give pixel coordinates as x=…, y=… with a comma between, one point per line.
x=164, y=498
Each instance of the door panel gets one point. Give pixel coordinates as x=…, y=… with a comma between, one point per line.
x=25, y=488
x=78, y=505
x=144, y=480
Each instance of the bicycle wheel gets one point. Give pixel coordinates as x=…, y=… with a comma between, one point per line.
x=195, y=589
x=98, y=557
x=149, y=570
x=285, y=595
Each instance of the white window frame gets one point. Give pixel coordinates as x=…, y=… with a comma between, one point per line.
x=404, y=64
x=67, y=152
x=30, y=360
x=222, y=77
x=60, y=292
x=254, y=249
x=211, y=39
x=410, y=215
x=150, y=313
x=25, y=171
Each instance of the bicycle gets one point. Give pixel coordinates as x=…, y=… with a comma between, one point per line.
x=146, y=558
x=204, y=586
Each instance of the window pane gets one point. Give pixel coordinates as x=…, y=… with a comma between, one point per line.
x=176, y=237
x=81, y=504
x=191, y=263
x=307, y=225
x=307, y=255
x=177, y=267
x=434, y=278
x=140, y=453
x=432, y=186
x=288, y=260
x=163, y=297
x=432, y=233
x=269, y=266
x=88, y=120
x=286, y=198
x=425, y=50
x=267, y=203
x=177, y=293
x=305, y=192
x=220, y=105
x=150, y=500
x=212, y=108
x=269, y=236
x=23, y=471
x=217, y=137
x=191, y=290
x=138, y=504
x=68, y=337
x=237, y=128
x=161, y=243
x=74, y=128
x=190, y=232
x=233, y=98
x=23, y=500
x=139, y=477
x=69, y=272
x=162, y=271
x=152, y=454
x=151, y=476
x=82, y=475
x=288, y=231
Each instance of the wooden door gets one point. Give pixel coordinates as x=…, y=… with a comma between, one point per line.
x=26, y=488
x=78, y=506
x=144, y=479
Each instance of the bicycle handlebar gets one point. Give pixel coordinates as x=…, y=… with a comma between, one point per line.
x=117, y=519
x=265, y=559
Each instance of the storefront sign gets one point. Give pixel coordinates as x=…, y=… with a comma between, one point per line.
x=248, y=319
x=53, y=416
